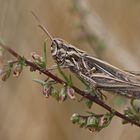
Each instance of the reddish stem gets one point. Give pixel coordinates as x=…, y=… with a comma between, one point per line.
x=80, y=92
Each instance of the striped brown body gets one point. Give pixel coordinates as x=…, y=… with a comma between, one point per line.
x=95, y=72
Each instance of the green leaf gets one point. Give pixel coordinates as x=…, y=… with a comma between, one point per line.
x=70, y=81
x=75, y=118
x=67, y=79
x=88, y=103
x=44, y=61
x=132, y=112
x=21, y=61
x=62, y=94
x=107, y=117
x=55, y=94
x=41, y=82
x=92, y=122
x=82, y=122
x=8, y=71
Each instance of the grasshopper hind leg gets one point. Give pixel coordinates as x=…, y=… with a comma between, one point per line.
x=94, y=85
x=89, y=80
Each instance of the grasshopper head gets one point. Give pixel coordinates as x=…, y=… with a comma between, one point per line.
x=64, y=53
x=59, y=50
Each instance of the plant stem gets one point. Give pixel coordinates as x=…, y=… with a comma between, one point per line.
x=77, y=90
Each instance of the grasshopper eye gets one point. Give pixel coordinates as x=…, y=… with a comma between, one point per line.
x=56, y=43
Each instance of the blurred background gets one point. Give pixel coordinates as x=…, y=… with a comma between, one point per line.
x=25, y=113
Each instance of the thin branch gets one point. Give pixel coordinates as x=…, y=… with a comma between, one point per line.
x=77, y=90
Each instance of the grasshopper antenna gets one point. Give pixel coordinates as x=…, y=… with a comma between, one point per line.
x=42, y=26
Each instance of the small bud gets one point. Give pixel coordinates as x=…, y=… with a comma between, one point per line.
x=88, y=103
x=75, y=118
x=5, y=76
x=82, y=122
x=55, y=94
x=70, y=92
x=17, y=70
x=62, y=95
x=36, y=57
x=47, y=91
x=92, y=121
x=32, y=69
x=6, y=73
x=103, y=121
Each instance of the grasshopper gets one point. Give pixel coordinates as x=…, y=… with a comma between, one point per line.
x=97, y=73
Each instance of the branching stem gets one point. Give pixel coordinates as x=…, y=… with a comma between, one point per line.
x=77, y=90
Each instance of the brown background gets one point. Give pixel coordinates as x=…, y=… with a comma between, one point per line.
x=24, y=112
